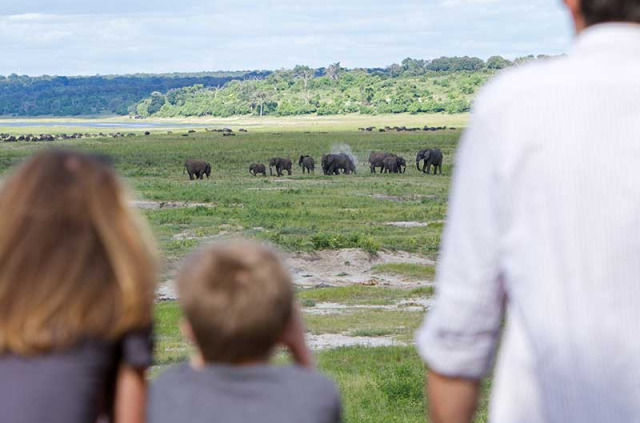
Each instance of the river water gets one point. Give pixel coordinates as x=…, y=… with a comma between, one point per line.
x=92, y=124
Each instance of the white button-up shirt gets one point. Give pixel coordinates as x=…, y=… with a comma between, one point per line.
x=544, y=225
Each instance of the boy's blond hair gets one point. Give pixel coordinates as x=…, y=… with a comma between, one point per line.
x=237, y=297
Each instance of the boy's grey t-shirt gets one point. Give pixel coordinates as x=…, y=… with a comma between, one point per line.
x=226, y=394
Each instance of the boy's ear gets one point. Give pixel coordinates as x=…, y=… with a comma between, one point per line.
x=187, y=330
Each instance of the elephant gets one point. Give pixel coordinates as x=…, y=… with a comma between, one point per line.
x=281, y=164
x=377, y=160
x=333, y=163
x=307, y=162
x=256, y=168
x=394, y=164
x=431, y=157
x=197, y=169
x=402, y=165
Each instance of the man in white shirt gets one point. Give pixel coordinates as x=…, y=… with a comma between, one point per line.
x=543, y=233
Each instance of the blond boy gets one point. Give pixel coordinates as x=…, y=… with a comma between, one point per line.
x=239, y=306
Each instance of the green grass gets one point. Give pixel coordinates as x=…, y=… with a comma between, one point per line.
x=399, y=323
x=411, y=270
x=297, y=213
x=359, y=295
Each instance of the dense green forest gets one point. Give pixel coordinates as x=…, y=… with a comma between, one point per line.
x=447, y=85
x=22, y=95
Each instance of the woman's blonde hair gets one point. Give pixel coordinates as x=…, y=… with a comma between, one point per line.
x=76, y=261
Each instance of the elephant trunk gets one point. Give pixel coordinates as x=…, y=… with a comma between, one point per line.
x=418, y=164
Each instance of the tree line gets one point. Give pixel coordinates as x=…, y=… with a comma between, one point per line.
x=22, y=95
x=445, y=84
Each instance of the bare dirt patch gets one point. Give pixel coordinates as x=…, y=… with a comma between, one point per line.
x=269, y=189
x=351, y=266
x=324, y=309
x=399, y=199
x=223, y=230
x=336, y=268
x=408, y=224
x=335, y=340
x=160, y=205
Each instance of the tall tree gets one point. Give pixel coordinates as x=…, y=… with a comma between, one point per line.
x=334, y=71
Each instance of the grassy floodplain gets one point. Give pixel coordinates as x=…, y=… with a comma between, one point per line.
x=300, y=214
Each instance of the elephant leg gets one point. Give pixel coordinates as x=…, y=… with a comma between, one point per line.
x=191, y=176
x=289, y=170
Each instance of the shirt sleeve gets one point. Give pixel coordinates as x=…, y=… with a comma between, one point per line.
x=137, y=348
x=459, y=335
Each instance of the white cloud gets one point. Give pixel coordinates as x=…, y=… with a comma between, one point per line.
x=84, y=37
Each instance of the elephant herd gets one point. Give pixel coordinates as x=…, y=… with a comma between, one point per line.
x=392, y=163
x=332, y=164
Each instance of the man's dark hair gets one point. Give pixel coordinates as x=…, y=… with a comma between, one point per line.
x=600, y=11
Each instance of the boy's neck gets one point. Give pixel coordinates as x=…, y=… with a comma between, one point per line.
x=198, y=362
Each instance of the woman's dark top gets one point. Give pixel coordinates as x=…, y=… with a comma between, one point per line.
x=72, y=386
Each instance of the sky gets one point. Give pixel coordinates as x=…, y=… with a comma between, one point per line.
x=89, y=37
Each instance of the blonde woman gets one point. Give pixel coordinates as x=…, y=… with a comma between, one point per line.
x=76, y=292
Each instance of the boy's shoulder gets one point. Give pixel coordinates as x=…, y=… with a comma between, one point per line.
x=277, y=394
x=291, y=376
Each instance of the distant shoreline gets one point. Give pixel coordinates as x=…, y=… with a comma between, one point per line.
x=331, y=123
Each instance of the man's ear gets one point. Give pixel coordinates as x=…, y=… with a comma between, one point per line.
x=575, y=7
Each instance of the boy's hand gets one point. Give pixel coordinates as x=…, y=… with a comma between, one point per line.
x=293, y=339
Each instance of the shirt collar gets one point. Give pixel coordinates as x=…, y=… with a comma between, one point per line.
x=609, y=37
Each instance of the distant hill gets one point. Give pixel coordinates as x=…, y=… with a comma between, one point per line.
x=90, y=95
x=446, y=84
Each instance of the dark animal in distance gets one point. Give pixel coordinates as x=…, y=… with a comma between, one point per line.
x=307, y=162
x=281, y=164
x=431, y=157
x=332, y=164
x=196, y=169
x=256, y=168
x=376, y=159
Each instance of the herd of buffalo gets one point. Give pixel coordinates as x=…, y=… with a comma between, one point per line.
x=332, y=164
x=53, y=137
x=405, y=129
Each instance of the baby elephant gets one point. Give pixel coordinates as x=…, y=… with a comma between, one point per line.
x=307, y=162
x=257, y=168
x=393, y=164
